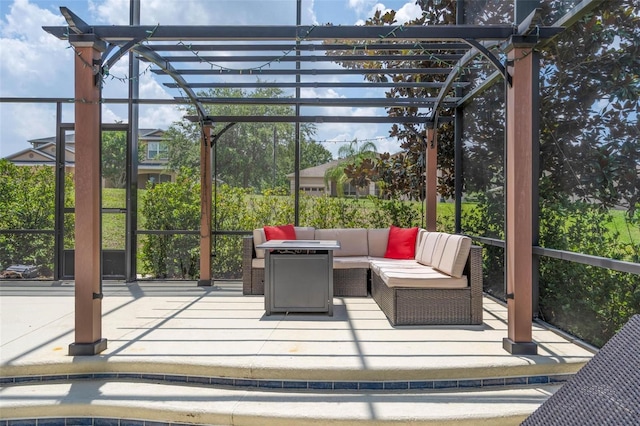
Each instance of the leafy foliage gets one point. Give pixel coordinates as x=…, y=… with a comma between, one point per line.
x=355, y=165
x=27, y=203
x=248, y=155
x=172, y=206
x=590, y=302
x=114, y=154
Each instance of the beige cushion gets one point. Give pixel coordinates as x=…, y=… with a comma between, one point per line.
x=257, y=263
x=353, y=241
x=427, y=247
x=377, y=239
x=305, y=232
x=421, y=234
x=424, y=277
x=259, y=238
x=302, y=233
x=454, y=255
x=378, y=263
x=439, y=249
x=350, y=262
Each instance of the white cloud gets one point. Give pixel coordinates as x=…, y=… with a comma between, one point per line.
x=32, y=59
x=408, y=12
x=35, y=64
x=200, y=12
x=360, y=5
x=159, y=116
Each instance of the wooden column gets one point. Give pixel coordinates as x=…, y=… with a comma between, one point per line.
x=431, y=176
x=205, y=206
x=88, y=271
x=521, y=96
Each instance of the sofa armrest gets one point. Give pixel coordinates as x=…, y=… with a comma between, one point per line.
x=248, y=253
x=473, y=270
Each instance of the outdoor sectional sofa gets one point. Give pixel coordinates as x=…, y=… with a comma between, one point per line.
x=440, y=284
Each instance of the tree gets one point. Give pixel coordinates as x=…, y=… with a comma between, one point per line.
x=355, y=165
x=114, y=152
x=244, y=154
x=402, y=174
x=590, y=105
x=313, y=153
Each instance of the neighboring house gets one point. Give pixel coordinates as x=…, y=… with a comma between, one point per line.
x=150, y=169
x=312, y=182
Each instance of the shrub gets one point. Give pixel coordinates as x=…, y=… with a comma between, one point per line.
x=27, y=202
x=172, y=206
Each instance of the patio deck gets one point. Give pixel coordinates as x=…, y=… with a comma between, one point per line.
x=181, y=353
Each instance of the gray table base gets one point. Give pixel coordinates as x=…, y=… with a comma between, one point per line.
x=299, y=282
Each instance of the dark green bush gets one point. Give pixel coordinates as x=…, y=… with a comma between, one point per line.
x=27, y=202
x=172, y=206
x=589, y=302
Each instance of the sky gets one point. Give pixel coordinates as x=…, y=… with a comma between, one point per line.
x=36, y=64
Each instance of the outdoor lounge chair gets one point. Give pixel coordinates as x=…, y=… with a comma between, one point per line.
x=606, y=391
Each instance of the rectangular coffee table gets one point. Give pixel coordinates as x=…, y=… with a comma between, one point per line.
x=298, y=275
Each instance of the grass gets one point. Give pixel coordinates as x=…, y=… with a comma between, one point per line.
x=627, y=232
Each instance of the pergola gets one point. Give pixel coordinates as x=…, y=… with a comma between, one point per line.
x=173, y=50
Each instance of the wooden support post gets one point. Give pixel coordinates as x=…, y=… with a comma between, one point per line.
x=205, y=206
x=431, y=176
x=519, y=198
x=88, y=229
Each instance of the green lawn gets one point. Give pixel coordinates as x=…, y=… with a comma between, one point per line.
x=628, y=233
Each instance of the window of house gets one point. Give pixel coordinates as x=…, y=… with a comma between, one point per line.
x=157, y=151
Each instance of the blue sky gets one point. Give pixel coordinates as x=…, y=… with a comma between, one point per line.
x=36, y=64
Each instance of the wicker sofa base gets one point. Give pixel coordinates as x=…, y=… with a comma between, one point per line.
x=346, y=282
x=402, y=306
x=430, y=306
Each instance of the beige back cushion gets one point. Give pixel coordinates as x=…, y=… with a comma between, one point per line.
x=420, y=238
x=427, y=247
x=259, y=238
x=302, y=233
x=305, y=232
x=377, y=240
x=454, y=255
x=353, y=242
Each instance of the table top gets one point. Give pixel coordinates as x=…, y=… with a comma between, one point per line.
x=300, y=245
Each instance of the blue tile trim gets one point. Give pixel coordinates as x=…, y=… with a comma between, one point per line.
x=421, y=385
x=321, y=385
x=106, y=422
x=365, y=385
x=560, y=378
x=445, y=384
x=396, y=385
x=270, y=384
x=469, y=383
x=300, y=384
x=87, y=421
x=370, y=385
x=538, y=380
x=515, y=381
x=79, y=421
x=345, y=385
x=493, y=382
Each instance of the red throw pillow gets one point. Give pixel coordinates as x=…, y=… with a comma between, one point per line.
x=401, y=243
x=281, y=232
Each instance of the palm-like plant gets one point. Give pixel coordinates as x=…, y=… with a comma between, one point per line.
x=349, y=156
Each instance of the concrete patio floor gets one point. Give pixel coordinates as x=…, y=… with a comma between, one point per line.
x=181, y=353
